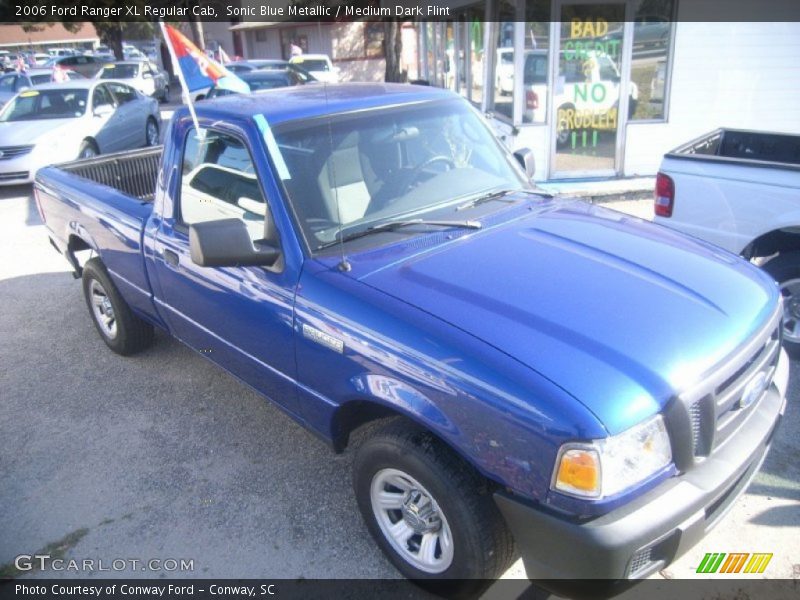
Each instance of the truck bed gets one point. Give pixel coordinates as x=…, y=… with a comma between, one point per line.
x=133, y=173
x=103, y=204
x=743, y=147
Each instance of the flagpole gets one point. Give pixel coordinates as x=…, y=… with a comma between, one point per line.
x=177, y=67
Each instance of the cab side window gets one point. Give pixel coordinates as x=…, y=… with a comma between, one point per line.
x=218, y=181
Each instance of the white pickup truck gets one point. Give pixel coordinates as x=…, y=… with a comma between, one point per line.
x=741, y=190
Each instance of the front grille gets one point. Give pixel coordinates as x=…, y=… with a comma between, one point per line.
x=9, y=152
x=696, y=415
x=718, y=406
x=14, y=175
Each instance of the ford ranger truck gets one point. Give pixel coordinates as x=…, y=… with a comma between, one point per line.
x=526, y=375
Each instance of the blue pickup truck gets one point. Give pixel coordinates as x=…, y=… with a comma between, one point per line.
x=527, y=375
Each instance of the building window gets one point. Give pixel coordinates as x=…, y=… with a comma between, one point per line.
x=535, y=63
x=653, y=34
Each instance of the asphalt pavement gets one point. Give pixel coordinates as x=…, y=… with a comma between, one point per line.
x=165, y=456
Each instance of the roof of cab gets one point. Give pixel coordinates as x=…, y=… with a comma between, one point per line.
x=318, y=99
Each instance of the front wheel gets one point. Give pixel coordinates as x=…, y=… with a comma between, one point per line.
x=88, y=149
x=151, y=133
x=785, y=269
x=431, y=514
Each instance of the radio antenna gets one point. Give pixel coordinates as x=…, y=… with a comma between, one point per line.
x=343, y=265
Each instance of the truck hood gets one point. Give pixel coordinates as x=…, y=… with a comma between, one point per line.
x=619, y=312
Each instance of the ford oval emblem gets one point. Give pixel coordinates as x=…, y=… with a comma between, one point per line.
x=753, y=390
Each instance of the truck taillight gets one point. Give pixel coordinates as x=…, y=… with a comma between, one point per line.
x=665, y=195
x=38, y=203
x=531, y=100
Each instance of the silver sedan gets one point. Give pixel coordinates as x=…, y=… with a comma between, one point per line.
x=58, y=122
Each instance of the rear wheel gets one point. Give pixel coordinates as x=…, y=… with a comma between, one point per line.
x=151, y=133
x=431, y=514
x=88, y=149
x=121, y=330
x=785, y=268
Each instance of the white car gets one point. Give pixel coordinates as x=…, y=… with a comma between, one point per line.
x=141, y=74
x=58, y=122
x=318, y=65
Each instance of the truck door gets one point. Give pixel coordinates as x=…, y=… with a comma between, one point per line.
x=239, y=317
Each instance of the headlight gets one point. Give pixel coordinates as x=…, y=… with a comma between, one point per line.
x=605, y=467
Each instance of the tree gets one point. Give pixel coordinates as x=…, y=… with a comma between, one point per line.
x=393, y=50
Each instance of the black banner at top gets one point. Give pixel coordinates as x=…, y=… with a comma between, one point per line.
x=235, y=11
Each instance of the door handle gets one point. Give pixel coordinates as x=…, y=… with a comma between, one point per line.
x=170, y=257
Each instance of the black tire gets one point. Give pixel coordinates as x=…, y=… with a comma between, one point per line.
x=482, y=545
x=785, y=269
x=130, y=333
x=147, y=141
x=88, y=149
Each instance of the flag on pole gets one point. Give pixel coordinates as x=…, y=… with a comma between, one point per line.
x=198, y=70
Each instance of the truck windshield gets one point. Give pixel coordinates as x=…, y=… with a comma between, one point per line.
x=45, y=104
x=368, y=167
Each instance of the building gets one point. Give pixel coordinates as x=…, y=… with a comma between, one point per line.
x=604, y=89
x=50, y=35
x=356, y=48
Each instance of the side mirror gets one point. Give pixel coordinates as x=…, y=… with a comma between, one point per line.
x=103, y=110
x=147, y=75
x=252, y=206
x=226, y=243
x=22, y=88
x=525, y=158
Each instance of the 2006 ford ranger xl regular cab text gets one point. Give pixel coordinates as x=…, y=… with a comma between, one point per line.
x=539, y=376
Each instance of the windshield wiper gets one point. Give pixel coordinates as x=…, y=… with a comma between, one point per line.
x=486, y=198
x=394, y=225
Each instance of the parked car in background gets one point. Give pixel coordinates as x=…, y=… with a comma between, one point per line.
x=85, y=65
x=245, y=66
x=318, y=65
x=13, y=83
x=141, y=74
x=40, y=59
x=740, y=190
x=260, y=81
x=56, y=122
x=59, y=52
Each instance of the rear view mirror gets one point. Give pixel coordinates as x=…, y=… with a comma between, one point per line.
x=525, y=158
x=226, y=243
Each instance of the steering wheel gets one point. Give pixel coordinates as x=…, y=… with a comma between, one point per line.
x=414, y=174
